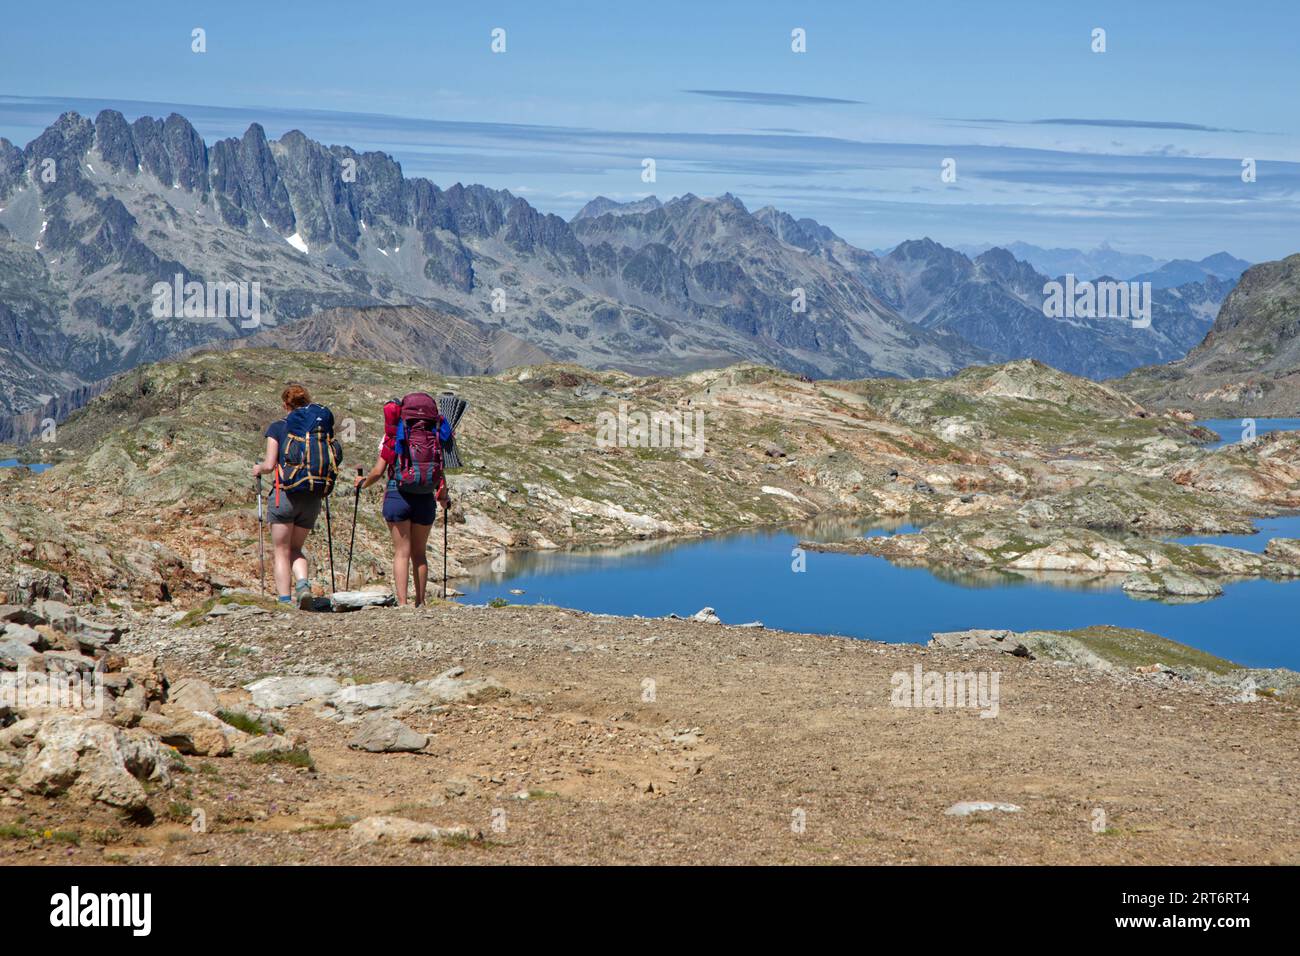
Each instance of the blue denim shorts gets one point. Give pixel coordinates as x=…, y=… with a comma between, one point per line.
x=401, y=506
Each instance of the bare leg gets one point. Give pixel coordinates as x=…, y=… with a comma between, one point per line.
x=401, y=557
x=420, y=559
x=281, y=546
x=295, y=553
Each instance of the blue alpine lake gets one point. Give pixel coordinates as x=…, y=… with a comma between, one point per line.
x=1232, y=430
x=1287, y=526
x=15, y=463
x=750, y=576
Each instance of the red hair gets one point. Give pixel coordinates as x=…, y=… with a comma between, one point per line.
x=295, y=396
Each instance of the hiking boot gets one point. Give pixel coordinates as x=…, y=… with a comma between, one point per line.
x=302, y=593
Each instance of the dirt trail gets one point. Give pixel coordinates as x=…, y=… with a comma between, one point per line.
x=748, y=732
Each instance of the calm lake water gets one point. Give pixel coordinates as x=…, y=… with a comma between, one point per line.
x=1231, y=429
x=749, y=576
x=15, y=463
x=1287, y=526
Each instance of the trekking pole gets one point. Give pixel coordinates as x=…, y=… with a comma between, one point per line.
x=329, y=537
x=347, y=577
x=444, y=552
x=261, y=535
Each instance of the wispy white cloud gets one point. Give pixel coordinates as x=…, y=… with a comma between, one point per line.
x=773, y=99
x=1159, y=197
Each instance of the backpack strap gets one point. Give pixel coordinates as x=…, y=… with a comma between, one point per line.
x=399, y=442
x=279, y=457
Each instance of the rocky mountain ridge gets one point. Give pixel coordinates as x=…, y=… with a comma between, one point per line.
x=94, y=213
x=399, y=334
x=996, y=302
x=1249, y=362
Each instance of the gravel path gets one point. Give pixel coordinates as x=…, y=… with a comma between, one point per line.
x=749, y=746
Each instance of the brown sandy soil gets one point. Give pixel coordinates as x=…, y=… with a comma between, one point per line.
x=746, y=728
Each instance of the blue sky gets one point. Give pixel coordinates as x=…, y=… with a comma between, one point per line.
x=1054, y=144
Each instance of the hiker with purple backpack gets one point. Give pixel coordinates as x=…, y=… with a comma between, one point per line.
x=411, y=457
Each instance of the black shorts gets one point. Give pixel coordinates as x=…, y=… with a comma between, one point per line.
x=401, y=506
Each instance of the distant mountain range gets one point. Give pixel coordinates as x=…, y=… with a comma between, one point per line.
x=601, y=205
x=1181, y=271
x=996, y=301
x=94, y=213
x=1105, y=261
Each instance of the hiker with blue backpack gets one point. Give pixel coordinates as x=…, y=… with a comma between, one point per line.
x=304, y=456
x=411, y=458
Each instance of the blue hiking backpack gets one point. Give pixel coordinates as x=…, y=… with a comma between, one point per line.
x=309, y=455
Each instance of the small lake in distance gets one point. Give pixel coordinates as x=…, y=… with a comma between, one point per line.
x=748, y=576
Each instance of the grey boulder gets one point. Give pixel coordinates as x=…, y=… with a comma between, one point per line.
x=193, y=694
x=400, y=830
x=356, y=600
x=84, y=757
x=1008, y=642
x=274, y=693
x=21, y=632
x=378, y=734
x=16, y=653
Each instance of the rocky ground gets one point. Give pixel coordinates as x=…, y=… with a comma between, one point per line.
x=522, y=735
x=150, y=501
